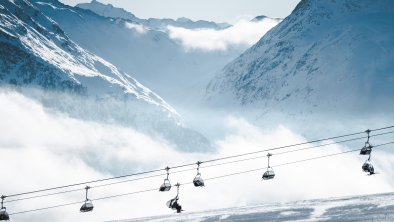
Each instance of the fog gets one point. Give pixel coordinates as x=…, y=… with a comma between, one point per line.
x=41, y=148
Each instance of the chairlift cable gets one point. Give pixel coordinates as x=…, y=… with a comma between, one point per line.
x=83, y=183
x=329, y=155
x=158, y=175
x=97, y=186
x=47, y=208
x=296, y=150
x=207, y=161
x=184, y=165
x=298, y=144
x=44, y=195
x=206, y=166
x=211, y=178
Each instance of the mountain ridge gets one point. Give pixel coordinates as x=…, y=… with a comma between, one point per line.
x=36, y=52
x=155, y=59
x=291, y=65
x=108, y=10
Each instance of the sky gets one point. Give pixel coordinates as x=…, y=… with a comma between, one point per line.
x=217, y=10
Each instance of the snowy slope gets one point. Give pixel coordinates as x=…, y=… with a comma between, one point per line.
x=378, y=207
x=27, y=31
x=108, y=10
x=327, y=56
x=158, y=61
x=36, y=52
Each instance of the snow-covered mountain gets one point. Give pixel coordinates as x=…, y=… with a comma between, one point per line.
x=327, y=56
x=108, y=10
x=378, y=207
x=157, y=58
x=36, y=52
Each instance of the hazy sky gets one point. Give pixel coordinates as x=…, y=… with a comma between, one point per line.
x=214, y=10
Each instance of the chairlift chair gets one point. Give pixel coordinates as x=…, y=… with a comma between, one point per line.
x=368, y=167
x=170, y=203
x=88, y=205
x=367, y=148
x=198, y=181
x=173, y=203
x=269, y=173
x=3, y=212
x=166, y=185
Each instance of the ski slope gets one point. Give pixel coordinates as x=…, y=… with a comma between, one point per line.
x=378, y=207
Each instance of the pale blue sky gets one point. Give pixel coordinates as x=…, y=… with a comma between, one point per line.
x=214, y=10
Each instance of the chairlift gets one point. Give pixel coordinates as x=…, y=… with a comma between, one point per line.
x=88, y=205
x=198, y=181
x=170, y=203
x=269, y=173
x=367, y=149
x=3, y=212
x=166, y=186
x=173, y=203
x=368, y=167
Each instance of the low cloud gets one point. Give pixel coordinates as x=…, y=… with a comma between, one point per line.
x=243, y=33
x=41, y=148
x=137, y=27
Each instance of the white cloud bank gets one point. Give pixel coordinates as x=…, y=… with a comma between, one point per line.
x=41, y=148
x=243, y=32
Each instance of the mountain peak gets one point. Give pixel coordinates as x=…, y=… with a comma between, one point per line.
x=184, y=19
x=259, y=18
x=106, y=10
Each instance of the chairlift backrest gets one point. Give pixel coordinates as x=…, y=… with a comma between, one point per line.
x=87, y=206
x=166, y=186
x=169, y=203
x=368, y=167
x=3, y=214
x=198, y=181
x=366, y=150
x=269, y=174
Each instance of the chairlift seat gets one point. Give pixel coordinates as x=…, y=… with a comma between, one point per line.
x=169, y=203
x=269, y=174
x=366, y=150
x=368, y=167
x=166, y=186
x=198, y=181
x=173, y=203
x=87, y=206
x=3, y=214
